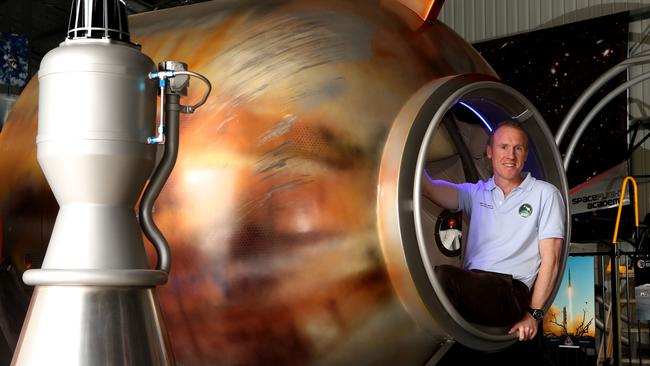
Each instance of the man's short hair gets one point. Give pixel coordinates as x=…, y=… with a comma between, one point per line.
x=507, y=123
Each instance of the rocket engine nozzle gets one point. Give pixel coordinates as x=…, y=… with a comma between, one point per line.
x=95, y=301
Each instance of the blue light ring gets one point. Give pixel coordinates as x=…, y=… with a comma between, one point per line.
x=478, y=114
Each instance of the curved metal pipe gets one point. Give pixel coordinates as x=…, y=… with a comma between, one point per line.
x=600, y=105
x=192, y=108
x=592, y=89
x=158, y=180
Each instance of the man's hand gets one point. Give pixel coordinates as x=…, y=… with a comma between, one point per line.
x=527, y=327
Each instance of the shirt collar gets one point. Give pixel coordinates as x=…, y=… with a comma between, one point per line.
x=490, y=184
x=526, y=184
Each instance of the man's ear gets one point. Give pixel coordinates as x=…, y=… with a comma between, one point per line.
x=488, y=151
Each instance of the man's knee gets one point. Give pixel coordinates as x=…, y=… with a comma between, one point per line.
x=446, y=274
x=449, y=278
x=521, y=295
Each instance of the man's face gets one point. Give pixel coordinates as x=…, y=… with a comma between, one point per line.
x=508, y=153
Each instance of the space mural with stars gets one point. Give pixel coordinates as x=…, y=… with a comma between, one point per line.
x=552, y=67
x=14, y=57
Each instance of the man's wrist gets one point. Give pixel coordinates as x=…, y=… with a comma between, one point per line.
x=537, y=314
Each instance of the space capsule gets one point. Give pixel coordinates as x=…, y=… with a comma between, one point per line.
x=297, y=229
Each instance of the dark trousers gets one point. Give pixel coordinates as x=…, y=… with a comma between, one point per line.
x=486, y=298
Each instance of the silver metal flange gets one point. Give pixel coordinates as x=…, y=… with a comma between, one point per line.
x=95, y=277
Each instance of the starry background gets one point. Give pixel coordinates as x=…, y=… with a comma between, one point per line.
x=14, y=57
x=552, y=67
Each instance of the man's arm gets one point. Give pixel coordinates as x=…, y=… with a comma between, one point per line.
x=549, y=250
x=442, y=193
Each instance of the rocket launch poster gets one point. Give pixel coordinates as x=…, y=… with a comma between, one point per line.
x=569, y=322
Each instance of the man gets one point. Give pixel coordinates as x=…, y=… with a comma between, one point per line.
x=515, y=238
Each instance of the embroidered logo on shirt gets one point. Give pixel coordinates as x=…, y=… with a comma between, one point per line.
x=483, y=204
x=525, y=210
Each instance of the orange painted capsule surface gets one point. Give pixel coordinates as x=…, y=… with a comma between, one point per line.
x=279, y=256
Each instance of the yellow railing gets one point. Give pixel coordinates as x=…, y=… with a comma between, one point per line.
x=620, y=206
x=615, y=270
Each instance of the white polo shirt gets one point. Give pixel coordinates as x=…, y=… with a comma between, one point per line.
x=504, y=234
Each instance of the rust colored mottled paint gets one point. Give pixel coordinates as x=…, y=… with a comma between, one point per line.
x=271, y=209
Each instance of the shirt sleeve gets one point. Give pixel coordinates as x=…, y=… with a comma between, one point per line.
x=465, y=194
x=551, y=218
